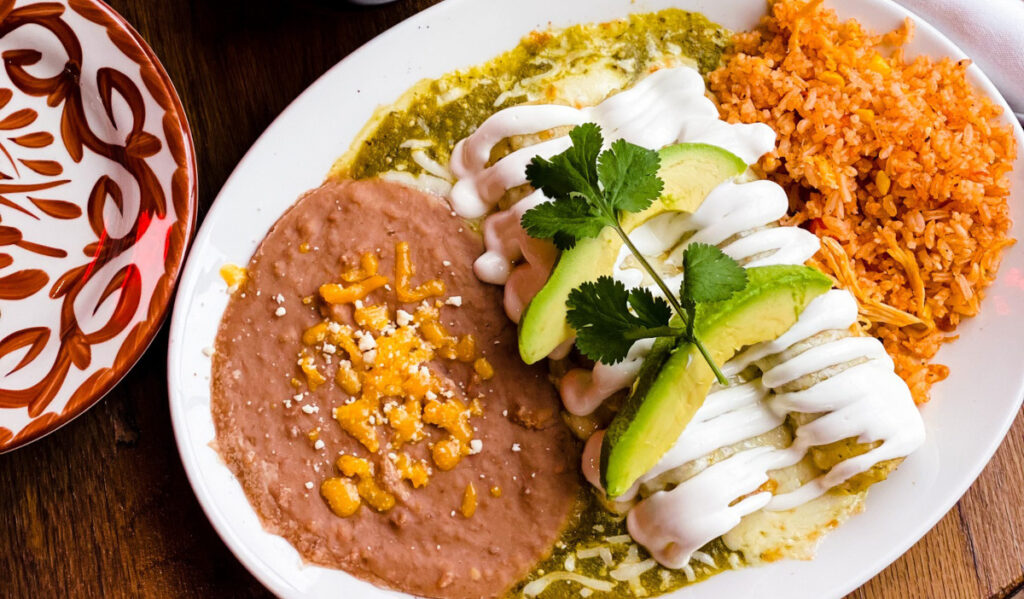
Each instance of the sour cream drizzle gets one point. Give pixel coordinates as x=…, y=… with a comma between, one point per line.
x=665, y=107
x=867, y=401
x=734, y=216
x=508, y=242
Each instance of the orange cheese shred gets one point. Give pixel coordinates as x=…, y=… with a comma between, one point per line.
x=451, y=415
x=341, y=496
x=407, y=422
x=468, y=501
x=417, y=472
x=354, y=419
x=373, y=317
x=483, y=368
x=333, y=293
x=367, y=268
x=403, y=278
x=366, y=487
x=308, y=365
x=234, y=276
x=447, y=453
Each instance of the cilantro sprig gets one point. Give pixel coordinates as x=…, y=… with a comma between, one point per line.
x=589, y=189
x=605, y=325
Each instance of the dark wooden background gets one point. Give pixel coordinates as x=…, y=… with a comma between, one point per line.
x=102, y=507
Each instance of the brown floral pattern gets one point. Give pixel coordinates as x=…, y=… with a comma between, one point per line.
x=148, y=190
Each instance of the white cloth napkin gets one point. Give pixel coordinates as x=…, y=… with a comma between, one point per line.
x=991, y=32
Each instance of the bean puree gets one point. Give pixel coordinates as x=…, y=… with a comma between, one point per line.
x=470, y=531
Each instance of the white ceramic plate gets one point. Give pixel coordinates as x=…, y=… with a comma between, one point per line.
x=967, y=418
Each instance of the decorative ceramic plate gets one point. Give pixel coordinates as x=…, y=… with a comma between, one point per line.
x=966, y=420
x=97, y=203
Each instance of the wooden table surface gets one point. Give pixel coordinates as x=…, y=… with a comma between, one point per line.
x=102, y=507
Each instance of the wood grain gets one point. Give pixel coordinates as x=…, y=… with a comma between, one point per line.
x=102, y=508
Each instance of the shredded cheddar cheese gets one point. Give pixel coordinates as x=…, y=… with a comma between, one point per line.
x=234, y=276
x=447, y=453
x=483, y=368
x=465, y=349
x=367, y=268
x=315, y=334
x=350, y=465
x=417, y=472
x=308, y=365
x=348, y=379
x=407, y=422
x=334, y=293
x=403, y=277
x=341, y=496
x=451, y=415
x=372, y=317
x=338, y=492
x=354, y=419
x=448, y=346
x=378, y=498
x=383, y=363
x=468, y=501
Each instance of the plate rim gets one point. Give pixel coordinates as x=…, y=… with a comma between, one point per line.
x=153, y=321
x=978, y=78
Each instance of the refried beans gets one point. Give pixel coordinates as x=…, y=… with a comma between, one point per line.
x=280, y=439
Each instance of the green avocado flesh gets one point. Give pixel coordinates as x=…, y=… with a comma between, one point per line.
x=543, y=326
x=690, y=172
x=660, y=406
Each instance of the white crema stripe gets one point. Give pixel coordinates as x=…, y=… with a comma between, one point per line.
x=867, y=401
x=538, y=257
x=665, y=107
x=583, y=390
x=743, y=209
x=731, y=211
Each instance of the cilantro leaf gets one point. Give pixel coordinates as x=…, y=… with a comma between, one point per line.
x=574, y=170
x=653, y=311
x=563, y=221
x=629, y=176
x=605, y=327
x=588, y=187
x=586, y=145
x=710, y=275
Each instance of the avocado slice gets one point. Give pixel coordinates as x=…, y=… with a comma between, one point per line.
x=660, y=407
x=544, y=325
x=690, y=171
